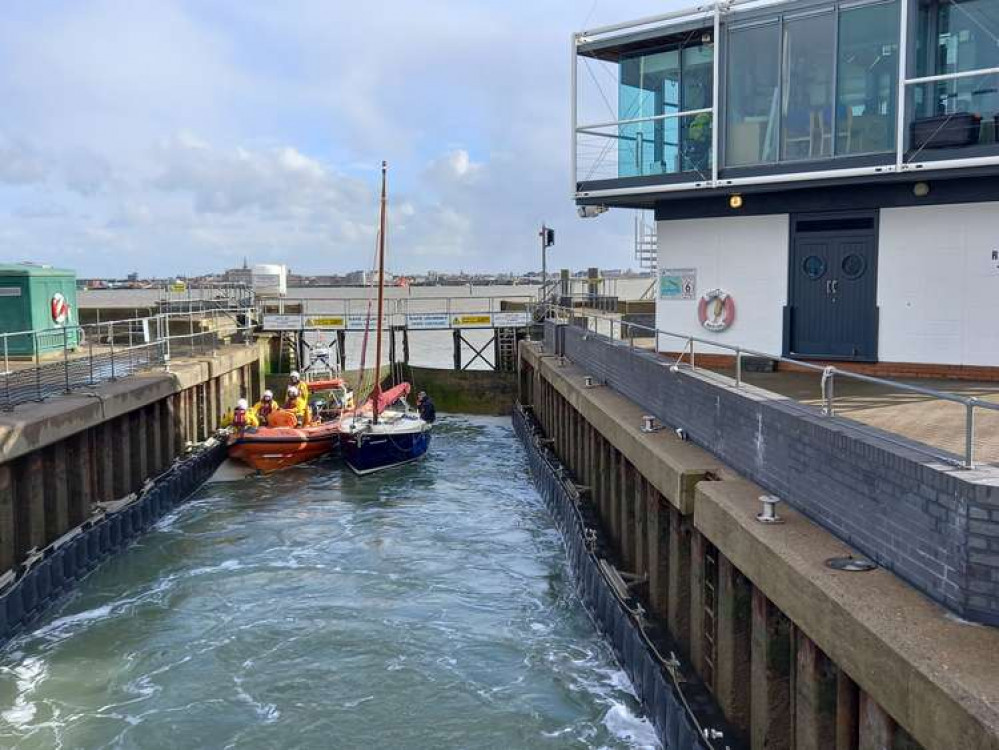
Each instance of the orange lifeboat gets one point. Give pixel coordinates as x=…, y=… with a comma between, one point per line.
x=282, y=443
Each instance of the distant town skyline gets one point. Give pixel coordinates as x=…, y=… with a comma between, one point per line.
x=181, y=136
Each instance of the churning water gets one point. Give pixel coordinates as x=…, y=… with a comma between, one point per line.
x=429, y=607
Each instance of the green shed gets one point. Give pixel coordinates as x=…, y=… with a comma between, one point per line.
x=40, y=299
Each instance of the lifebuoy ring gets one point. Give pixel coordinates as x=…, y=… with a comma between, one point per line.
x=60, y=309
x=716, y=310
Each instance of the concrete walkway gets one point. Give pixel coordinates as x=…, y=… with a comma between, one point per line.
x=936, y=423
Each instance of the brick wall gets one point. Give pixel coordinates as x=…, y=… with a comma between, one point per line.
x=934, y=526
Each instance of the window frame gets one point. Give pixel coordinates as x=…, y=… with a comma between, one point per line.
x=779, y=16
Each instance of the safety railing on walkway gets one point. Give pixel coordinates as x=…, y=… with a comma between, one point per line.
x=395, y=307
x=616, y=329
x=44, y=363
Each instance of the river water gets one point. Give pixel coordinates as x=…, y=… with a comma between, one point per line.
x=429, y=607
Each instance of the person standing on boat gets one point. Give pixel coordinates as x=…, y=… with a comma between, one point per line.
x=241, y=417
x=295, y=379
x=426, y=408
x=297, y=405
x=263, y=408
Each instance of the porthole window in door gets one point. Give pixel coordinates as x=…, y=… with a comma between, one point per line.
x=854, y=266
x=814, y=267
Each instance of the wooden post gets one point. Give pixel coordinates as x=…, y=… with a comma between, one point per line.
x=405, y=346
x=56, y=491
x=456, y=335
x=733, y=642
x=7, y=491
x=770, y=676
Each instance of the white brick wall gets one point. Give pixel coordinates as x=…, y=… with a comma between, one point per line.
x=938, y=290
x=744, y=255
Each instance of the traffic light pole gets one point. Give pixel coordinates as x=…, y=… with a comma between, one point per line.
x=543, y=234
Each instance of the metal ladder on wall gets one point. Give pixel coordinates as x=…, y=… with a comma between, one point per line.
x=506, y=349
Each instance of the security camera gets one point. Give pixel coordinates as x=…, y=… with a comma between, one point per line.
x=589, y=212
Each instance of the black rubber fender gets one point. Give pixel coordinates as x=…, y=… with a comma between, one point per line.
x=56, y=571
x=29, y=594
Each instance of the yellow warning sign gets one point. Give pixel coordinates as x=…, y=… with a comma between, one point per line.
x=325, y=322
x=471, y=321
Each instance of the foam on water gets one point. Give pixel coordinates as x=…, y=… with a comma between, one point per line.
x=430, y=607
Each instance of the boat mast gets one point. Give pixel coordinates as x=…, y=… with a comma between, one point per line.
x=377, y=392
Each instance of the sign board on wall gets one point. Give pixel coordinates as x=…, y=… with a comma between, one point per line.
x=427, y=321
x=361, y=321
x=282, y=322
x=472, y=320
x=678, y=283
x=326, y=321
x=510, y=319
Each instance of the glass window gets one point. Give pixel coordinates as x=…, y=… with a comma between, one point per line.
x=697, y=92
x=867, y=79
x=665, y=83
x=814, y=267
x=954, y=36
x=751, y=104
x=650, y=86
x=809, y=49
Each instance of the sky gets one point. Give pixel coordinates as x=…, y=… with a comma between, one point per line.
x=180, y=136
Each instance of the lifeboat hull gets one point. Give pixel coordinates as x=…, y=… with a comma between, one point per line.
x=268, y=449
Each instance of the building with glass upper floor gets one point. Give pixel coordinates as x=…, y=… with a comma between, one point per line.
x=824, y=175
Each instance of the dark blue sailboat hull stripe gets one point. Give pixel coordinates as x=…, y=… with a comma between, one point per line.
x=373, y=453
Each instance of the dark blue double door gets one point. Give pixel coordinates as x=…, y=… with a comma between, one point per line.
x=832, y=308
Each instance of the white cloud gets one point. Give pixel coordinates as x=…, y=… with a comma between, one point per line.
x=20, y=162
x=176, y=135
x=42, y=210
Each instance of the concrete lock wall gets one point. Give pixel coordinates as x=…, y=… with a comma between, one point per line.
x=792, y=653
x=62, y=457
x=934, y=525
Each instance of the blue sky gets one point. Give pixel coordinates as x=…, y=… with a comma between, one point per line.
x=179, y=137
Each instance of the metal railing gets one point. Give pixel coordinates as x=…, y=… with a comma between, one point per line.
x=396, y=308
x=43, y=363
x=828, y=374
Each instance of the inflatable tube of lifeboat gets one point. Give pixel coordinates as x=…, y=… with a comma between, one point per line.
x=325, y=385
x=282, y=418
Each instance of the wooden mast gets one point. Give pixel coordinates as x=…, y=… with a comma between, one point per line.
x=377, y=392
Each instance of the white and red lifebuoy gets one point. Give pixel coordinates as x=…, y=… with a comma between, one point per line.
x=60, y=309
x=716, y=310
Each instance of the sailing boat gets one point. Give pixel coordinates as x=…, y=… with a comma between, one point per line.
x=389, y=433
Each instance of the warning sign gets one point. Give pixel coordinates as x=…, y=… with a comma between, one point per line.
x=479, y=320
x=510, y=319
x=427, y=321
x=282, y=322
x=326, y=321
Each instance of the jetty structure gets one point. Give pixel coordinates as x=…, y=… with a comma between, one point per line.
x=783, y=496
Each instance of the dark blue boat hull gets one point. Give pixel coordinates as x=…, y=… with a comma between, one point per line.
x=365, y=453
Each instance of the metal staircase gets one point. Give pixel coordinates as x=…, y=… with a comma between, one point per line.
x=646, y=241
